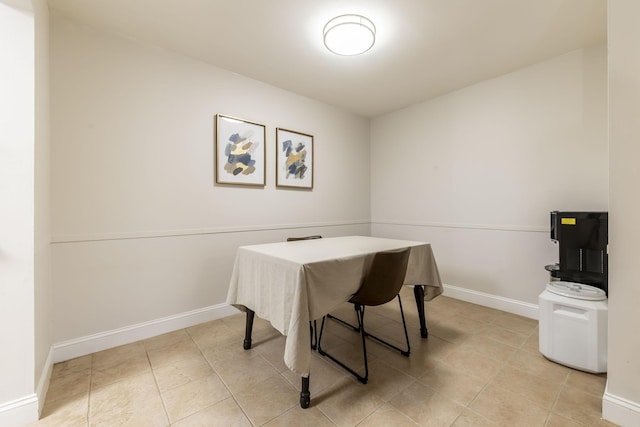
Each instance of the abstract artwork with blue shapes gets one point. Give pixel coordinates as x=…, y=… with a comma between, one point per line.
x=294, y=159
x=240, y=151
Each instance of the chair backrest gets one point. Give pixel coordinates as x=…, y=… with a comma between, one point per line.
x=293, y=239
x=384, y=278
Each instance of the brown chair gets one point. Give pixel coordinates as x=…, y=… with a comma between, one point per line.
x=381, y=284
x=313, y=325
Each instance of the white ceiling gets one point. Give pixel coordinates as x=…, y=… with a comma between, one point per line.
x=424, y=48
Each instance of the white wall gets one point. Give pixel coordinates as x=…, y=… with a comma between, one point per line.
x=43, y=289
x=140, y=230
x=622, y=397
x=17, y=398
x=476, y=172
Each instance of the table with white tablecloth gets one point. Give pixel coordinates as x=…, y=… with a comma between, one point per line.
x=292, y=283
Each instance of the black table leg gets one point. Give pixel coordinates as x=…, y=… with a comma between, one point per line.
x=418, y=292
x=305, y=396
x=248, y=329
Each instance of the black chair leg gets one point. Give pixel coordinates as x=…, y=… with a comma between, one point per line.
x=363, y=334
x=313, y=334
x=355, y=328
x=362, y=379
x=406, y=335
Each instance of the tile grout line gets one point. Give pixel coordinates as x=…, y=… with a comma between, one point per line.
x=155, y=381
x=89, y=392
x=560, y=389
x=221, y=379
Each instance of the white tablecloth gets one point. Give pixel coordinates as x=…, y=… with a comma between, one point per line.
x=291, y=283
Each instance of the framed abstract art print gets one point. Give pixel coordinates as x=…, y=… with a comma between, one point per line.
x=239, y=151
x=294, y=159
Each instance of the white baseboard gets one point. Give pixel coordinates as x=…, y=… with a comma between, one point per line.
x=19, y=412
x=619, y=410
x=43, y=384
x=499, y=303
x=104, y=340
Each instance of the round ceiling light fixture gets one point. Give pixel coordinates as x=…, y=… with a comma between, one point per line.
x=349, y=35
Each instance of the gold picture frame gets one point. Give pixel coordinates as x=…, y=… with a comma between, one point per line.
x=240, y=152
x=294, y=159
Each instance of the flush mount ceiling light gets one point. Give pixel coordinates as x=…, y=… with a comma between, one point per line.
x=349, y=35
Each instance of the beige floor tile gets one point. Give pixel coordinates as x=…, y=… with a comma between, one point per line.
x=173, y=353
x=385, y=381
x=427, y=407
x=506, y=336
x=507, y=409
x=513, y=322
x=478, y=367
x=71, y=385
x=458, y=386
x=538, y=365
x=166, y=340
x=346, y=402
x=390, y=331
x=134, y=401
x=323, y=374
x=474, y=364
x=263, y=335
x=238, y=321
x=386, y=416
x=226, y=413
x=182, y=372
x=122, y=370
x=215, y=332
x=118, y=355
x=539, y=391
x=457, y=328
x=481, y=314
x=468, y=418
x=432, y=317
x=79, y=365
x=587, y=382
x=194, y=396
x=446, y=305
x=297, y=416
x=268, y=399
x=273, y=352
x=464, y=324
x=604, y=423
x=423, y=353
x=447, y=333
x=532, y=344
x=489, y=347
x=69, y=412
x=333, y=329
x=235, y=321
x=349, y=354
x=560, y=421
x=229, y=351
x=578, y=406
x=119, y=363
x=243, y=373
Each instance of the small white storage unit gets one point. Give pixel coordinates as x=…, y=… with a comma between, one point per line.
x=573, y=325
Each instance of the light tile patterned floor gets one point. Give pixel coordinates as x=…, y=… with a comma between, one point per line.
x=479, y=367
